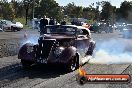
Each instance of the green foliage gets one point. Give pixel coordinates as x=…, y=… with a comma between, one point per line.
x=123, y=13
x=106, y=10
x=68, y=10
x=6, y=11
x=22, y=20
x=73, y=11
x=89, y=21
x=49, y=8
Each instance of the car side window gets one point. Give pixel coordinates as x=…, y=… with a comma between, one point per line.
x=85, y=32
x=3, y=22
x=79, y=32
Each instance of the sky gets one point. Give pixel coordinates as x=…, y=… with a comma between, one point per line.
x=86, y=3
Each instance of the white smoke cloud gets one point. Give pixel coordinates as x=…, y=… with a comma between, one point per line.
x=31, y=39
x=113, y=51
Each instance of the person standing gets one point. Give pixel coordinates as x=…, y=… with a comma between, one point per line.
x=52, y=21
x=43, y=23
x=63, y=22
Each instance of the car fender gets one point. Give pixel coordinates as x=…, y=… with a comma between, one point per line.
x=67, y=53
x=25, y=52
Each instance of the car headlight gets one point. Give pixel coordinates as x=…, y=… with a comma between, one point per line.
x=58, y=50
x=29, y=49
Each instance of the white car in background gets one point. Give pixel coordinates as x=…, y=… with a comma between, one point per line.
x=19, y=25
x=9, y=25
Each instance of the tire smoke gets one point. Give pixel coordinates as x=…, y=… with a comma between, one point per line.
x=112, y=52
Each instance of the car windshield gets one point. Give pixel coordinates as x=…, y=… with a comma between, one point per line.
x=9, y=22
x=67, y=30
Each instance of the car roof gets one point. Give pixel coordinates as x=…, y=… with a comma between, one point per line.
x=62, y=25
x=79, y=27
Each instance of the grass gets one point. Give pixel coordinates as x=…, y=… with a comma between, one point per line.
x=89, y=21
x=23, y=21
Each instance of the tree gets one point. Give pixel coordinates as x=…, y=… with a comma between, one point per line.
x=68, y=9
x=6, y=10
x=124, y=10
x=73, y=11
x=49, y=8
x=78, y=11
x=97, y=12
x=26, y=4
x=107, y=10
x=86, y=12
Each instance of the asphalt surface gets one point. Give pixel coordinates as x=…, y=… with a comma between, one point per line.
x=12, y=75
x=18, y=34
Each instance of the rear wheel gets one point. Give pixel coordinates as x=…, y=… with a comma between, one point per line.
x=12, y=29
x=26, y=64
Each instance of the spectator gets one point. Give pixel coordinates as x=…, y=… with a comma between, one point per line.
x=63, y=22
x=52, y=21
x=43, y=23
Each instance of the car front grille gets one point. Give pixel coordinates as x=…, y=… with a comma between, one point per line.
x=44, y=48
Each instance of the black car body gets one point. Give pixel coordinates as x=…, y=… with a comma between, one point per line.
x=69, y=45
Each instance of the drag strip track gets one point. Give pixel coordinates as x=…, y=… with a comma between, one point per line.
x=14, y=76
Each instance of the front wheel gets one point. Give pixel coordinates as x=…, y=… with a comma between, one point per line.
x=26, y=64
x=73, y=64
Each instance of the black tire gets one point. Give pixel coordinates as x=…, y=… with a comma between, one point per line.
x=82, y=80
x=90, y=49
x=18, y=29
x=26, y=64
x=4, y=29
x=12, y=29
x=73, y=64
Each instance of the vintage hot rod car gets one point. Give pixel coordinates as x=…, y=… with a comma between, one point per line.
x=66, y=45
